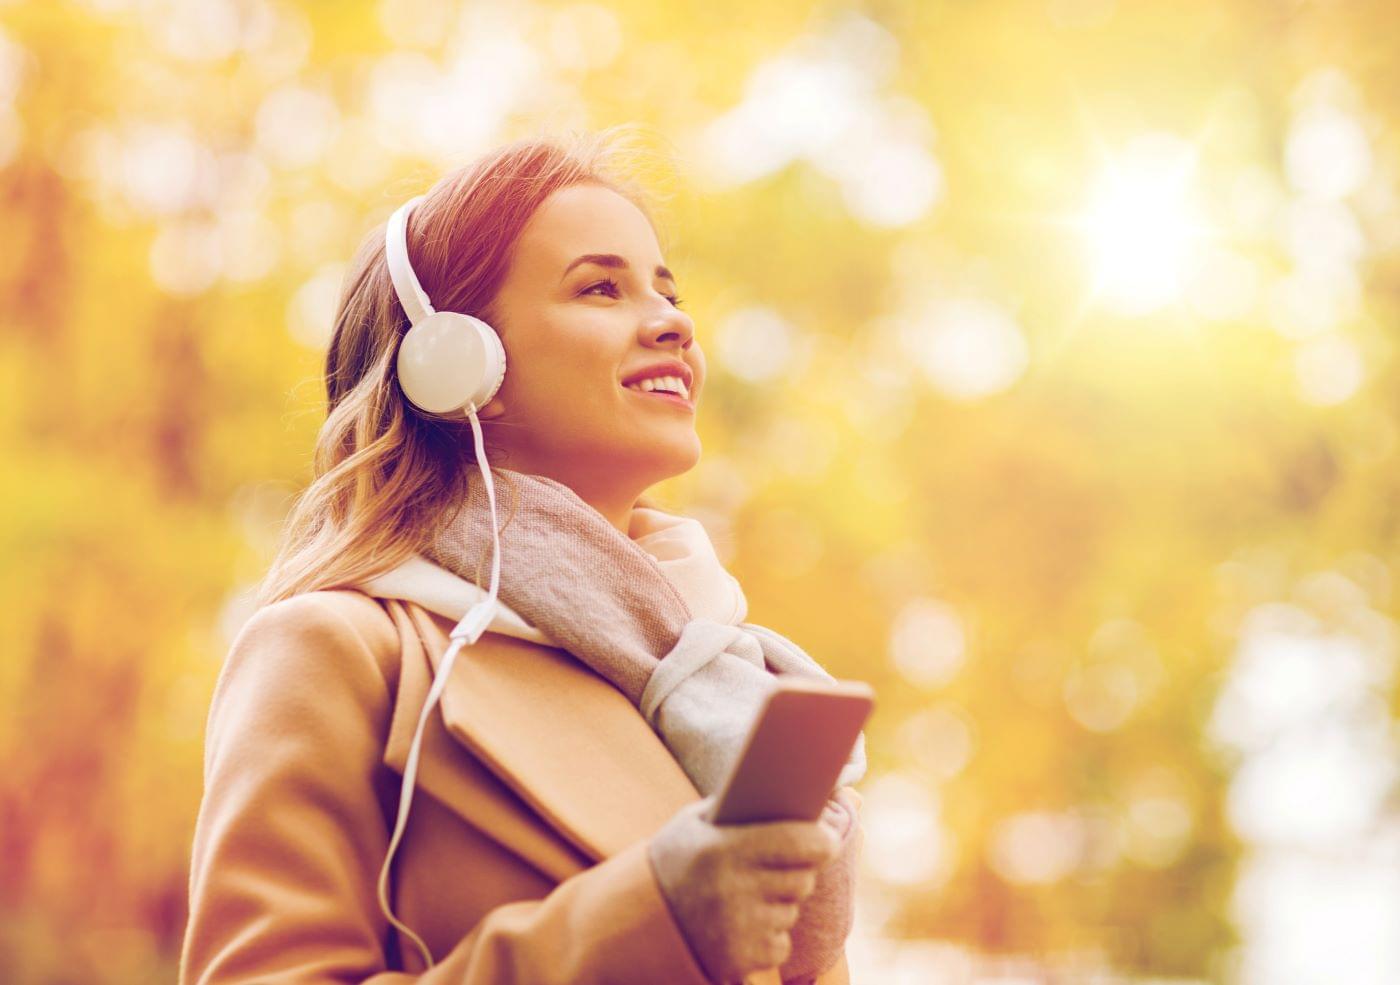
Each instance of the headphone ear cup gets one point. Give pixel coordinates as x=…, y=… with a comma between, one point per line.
x=451, y=361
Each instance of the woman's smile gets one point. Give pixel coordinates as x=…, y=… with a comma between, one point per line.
x=673, y=398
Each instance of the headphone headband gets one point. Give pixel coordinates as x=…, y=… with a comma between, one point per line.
x=411, y=296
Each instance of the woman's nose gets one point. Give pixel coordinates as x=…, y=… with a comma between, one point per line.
x=671, y=327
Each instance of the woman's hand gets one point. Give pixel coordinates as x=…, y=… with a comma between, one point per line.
x=734, y=889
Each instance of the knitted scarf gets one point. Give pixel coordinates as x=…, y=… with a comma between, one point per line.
x=573, y=575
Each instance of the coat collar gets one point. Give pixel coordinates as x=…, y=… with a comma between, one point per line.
x=549, y=730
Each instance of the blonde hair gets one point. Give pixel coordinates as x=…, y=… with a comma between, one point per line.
x=384, y=472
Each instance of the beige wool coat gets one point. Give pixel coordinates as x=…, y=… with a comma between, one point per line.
x=524, y=859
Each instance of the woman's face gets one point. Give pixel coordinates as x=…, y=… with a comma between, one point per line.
x=583, y=311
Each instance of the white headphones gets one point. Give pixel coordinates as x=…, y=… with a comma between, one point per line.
x=448, y=361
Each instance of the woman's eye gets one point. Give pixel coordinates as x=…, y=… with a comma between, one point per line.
x=611, y=285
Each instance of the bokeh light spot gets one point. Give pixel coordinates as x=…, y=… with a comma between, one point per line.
x=928, y=642
x=966, y=347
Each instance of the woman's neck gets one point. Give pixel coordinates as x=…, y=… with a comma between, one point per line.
x=616, y=512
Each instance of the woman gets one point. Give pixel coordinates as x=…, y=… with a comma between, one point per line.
x=561, y=834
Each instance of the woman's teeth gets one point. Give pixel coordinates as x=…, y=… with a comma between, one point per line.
x=671, y=384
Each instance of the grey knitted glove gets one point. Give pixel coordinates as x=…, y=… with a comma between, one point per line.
x=735, y=889
x=827, y=915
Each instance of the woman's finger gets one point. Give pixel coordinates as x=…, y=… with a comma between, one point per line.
x=787, y=885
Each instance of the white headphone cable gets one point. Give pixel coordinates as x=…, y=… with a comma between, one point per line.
x=466, y=632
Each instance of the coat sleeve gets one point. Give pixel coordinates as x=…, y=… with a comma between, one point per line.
x=292, y=831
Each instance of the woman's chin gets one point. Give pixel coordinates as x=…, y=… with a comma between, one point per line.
x=672, y=457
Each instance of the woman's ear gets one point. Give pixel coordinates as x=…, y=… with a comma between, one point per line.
x=492, y=409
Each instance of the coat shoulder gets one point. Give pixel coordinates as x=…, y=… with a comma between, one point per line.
x=314, y=624
x=364, y=613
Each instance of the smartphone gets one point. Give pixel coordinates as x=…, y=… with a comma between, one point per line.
x=794, y=752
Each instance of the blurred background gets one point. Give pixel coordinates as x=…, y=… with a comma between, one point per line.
x=1053, y=391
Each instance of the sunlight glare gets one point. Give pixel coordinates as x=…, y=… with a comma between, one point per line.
x=1142, y=225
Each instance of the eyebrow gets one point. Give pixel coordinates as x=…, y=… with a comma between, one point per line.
x=614, y=261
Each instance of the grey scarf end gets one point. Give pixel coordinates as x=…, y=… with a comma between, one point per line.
x=703, y=697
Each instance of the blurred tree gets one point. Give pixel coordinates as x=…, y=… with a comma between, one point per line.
x=1032, y=504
